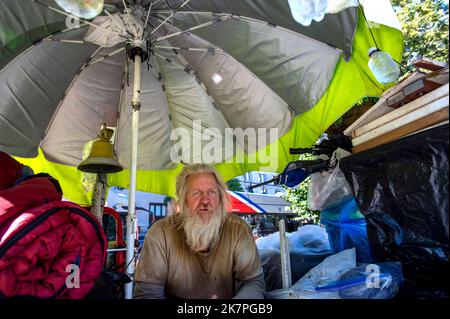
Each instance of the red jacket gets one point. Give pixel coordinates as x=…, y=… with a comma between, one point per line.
x=46, y=244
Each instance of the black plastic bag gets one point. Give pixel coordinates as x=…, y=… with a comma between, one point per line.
x=402, y=189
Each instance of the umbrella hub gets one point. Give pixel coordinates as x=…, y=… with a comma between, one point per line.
x=138, y=47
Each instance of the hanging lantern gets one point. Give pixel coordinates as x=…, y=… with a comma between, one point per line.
x=86, y=9
x=383, y=66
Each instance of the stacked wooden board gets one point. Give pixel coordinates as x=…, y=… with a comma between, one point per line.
x=419, y=102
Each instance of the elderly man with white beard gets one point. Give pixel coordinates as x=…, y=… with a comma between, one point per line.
x=201, y=251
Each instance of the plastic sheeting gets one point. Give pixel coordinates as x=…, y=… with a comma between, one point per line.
x=346, y=228
x=329, y=270
x=328, y=189
x=402, y=189
x=308, y=239
x=308, y=247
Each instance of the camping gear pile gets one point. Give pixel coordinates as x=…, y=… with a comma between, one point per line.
x=340, y=277
x=399, y=176
x=49, y=248
x=330, y=194
x=401, y=189
x=308, y=247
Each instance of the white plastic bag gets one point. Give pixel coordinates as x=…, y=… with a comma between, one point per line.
x=309, y=239
x=271, y=241
x=328, y=189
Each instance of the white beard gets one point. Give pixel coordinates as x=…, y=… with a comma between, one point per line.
x=201, y=236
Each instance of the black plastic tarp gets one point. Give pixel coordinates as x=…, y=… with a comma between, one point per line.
x=402, y=190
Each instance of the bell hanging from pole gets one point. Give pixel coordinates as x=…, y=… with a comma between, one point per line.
x=101, y=159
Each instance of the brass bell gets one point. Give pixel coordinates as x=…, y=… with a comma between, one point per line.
x=101, y=159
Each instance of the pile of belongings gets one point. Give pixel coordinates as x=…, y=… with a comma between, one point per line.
x=308, y=247
x=49, y=248
x=330, y=193
x=340, y=277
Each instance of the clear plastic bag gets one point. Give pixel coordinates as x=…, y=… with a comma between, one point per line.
x=271, y=241
x=328, y=189
x=329, y=271
x=368, y=281
x=309, y=239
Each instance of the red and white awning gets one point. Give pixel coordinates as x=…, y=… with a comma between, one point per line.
x=242, y=204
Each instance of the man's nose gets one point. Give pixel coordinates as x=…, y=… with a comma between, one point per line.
x=205, y=199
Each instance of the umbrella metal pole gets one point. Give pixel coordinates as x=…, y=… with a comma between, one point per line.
x=285, y=257
x=131, y=216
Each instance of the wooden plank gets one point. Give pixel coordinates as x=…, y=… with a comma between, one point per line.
x=429, y=127
x=374, y=112
x=441, y=95
x=404, y=130
x=400, y=121
x=381, y=107
x=429, y=64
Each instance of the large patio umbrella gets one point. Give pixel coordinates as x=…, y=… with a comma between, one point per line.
x=235, y=83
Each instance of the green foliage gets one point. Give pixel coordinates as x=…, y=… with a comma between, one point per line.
x=235, y=185
x=368, y=100
x=298, y=198
x=425, y=28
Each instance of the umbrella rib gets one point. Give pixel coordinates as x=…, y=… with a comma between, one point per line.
x=66, y=92
x=188, y=69
x=48, y=38
x=203, y=25
x=178, y=66
x=247, y=19
x=199, y=81
x=14, y=128
x=161, y=80
x=169, y=17
x=146, y=19
x=112, y=17
x=127, y=11
x=209, y=50
x=22, y=108
x=77, y=18
x=105, y=57
x=68, y=41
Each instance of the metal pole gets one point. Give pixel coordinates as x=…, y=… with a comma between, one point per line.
x=131, y=217
x=98, y=198
x=285, y=257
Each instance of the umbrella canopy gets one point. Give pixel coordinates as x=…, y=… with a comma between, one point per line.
x=218, y=71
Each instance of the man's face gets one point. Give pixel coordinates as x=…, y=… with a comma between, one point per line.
x=203, y=198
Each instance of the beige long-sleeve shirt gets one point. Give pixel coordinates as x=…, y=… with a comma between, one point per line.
x=167, y=260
